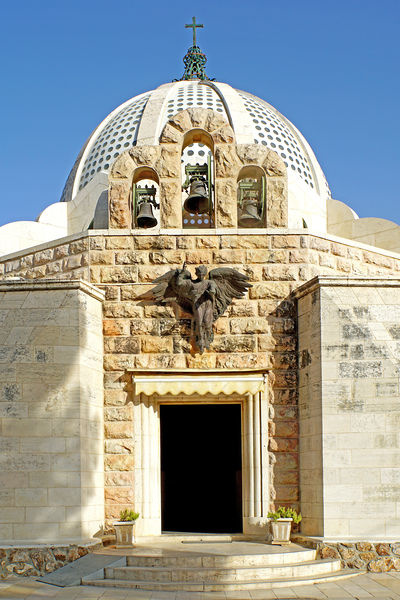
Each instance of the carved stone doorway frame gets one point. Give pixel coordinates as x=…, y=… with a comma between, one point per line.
x=146, y=438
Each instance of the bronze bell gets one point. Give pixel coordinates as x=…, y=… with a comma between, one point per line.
x=197, y=201
x=145, y=217
x=249, y=215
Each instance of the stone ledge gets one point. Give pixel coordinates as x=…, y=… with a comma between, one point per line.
x=362, y=281
x=24, y=285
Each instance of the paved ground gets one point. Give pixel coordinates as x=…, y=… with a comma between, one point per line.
x=385, y=586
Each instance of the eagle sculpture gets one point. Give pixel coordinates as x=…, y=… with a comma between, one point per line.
x=205, y=299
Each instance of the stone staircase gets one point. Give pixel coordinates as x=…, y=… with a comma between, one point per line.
x=218, y=567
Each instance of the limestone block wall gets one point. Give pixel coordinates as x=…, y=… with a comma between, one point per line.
x=51, y=411
x=349, y=353
x=259, y=331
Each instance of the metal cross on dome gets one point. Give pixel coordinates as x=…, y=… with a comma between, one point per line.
x=194, y=26
x=194, y=60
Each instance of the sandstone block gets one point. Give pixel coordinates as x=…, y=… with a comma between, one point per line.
x=224, y=135
x=207, y=241
x=329, y=552
x=130, y=257
x=185, y=242
x=277, y=204
x=120, y=213
x=197, y=116
x=115, y=397
x=198, y=257
x=242, y=308
x=79, y=246
x=250, y=154
x=226, y=161
x=116, y=327
x=118, y=462
x=203, y=361
x=271, y=290
x=234, y=343
x=169, y=164
x=145, y=155
x=123, y=167
x=213, y=121
x=119, y=274
x=157, y=312
x=181, y=121
x=118, y=413
x=119, y=362
x=155, y=242
x=144, y=327
x=97, y=243
x=118, y=429
x=43, y=257
x=132, y=292
x=170, y=203
x=148, y=274
x=119, y=495
x=115, y=478
x=244, y=241
x=118, y=446
x=320, y=244
x=283, y=445
x=234, y=257
x=381, y=565
x=72, y=262
x=242, y=361
x=266, y=343
x=281, y=273
x=120, y=310
x=249, y=325
x=383, y=549
x=122, y=345
x=120, y=242
x=161, y=361
x=164, y=257
x=274, y=165
x=155, y=344
x=226, y=203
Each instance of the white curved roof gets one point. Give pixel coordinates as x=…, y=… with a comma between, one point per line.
x=253, y=120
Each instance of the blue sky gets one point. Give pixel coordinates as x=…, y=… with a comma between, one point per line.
x=331, y=67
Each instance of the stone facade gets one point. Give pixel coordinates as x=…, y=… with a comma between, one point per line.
x=257, y=332
x=349, y=354
x=316, y=347
x=51, y=411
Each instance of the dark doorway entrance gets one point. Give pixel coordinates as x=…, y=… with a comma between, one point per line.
x=201, y=468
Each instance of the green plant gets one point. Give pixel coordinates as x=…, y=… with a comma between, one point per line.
x=128, y=515
x=285, y=513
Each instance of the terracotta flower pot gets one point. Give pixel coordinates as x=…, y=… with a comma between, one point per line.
x=124, y=533
x=281, y=531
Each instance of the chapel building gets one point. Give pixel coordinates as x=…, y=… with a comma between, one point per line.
x=106, y=401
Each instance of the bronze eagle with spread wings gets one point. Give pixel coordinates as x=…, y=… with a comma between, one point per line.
x=205, y=299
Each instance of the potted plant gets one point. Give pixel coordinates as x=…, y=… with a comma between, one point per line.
x=124, y=528
x=281, y=524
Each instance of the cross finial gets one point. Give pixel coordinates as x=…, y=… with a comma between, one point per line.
x=193, y=26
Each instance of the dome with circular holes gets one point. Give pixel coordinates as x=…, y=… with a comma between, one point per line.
x=141, y=120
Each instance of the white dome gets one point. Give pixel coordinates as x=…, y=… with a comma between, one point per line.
x=253, y=120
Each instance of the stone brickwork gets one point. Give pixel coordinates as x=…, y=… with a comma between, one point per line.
x=33, y=561
x=377, y=558
x=164, y=160
x=51, y=411
x=259, y=331
x=349, y=357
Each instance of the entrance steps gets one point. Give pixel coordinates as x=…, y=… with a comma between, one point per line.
x=217, y=566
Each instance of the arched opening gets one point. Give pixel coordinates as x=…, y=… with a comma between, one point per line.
x=251, y=205
x=197, y=163
x=145, y=198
